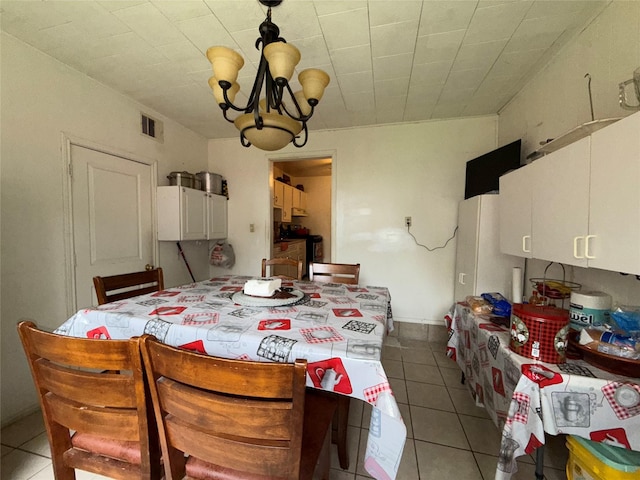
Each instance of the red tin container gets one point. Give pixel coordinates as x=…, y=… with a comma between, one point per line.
x=539, y=333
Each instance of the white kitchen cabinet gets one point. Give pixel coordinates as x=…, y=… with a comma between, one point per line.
x=188, y=214
x=614, y=206
x=515, y=212
x=584, y=202
x=480, y=266
x=278, y=194
x=216, y=216
x=299, y=199
x=560, y=204
x=287, y=203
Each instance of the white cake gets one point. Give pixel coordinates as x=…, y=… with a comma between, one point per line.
x=262, y=288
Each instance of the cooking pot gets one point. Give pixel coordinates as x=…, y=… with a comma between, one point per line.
x=211, y=182
x=183, y=179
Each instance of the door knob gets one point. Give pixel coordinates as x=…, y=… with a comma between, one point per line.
x=148, y=267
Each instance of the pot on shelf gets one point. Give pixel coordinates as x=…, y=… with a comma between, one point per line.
x=183, y=179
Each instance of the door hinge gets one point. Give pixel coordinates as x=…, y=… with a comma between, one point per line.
x=71, y=170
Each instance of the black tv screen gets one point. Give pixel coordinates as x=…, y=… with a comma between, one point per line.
x=483, y=173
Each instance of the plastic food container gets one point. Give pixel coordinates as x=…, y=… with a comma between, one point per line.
x=598, y=461
x=539, y=332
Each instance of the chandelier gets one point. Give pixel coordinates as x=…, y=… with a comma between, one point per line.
x=268, y=122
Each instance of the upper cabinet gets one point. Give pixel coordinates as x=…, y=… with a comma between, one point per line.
x=613, y=242
x=582, y=202
x=278, y=194
x=287, y=203
x=188, y=214
x=515, y=213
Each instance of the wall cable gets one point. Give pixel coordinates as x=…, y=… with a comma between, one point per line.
x=434, y=248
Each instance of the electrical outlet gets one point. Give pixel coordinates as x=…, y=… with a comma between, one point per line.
x=252, y=228
x=407, y=221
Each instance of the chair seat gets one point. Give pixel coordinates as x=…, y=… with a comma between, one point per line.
x=319, y=410
x=120, y=450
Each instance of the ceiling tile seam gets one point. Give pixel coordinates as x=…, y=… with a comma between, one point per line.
x=497, y=57
x=457, y=53
x=415, y=44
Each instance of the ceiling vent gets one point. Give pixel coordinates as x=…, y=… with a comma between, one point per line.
x=152, y=128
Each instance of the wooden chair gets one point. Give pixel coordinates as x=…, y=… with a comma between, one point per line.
x=234, y=419
x=128, y=285
x=334, y=272
x=107, y=411
x=349, y=274
x=281, y=261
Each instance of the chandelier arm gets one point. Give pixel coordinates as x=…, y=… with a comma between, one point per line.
x=243, y=140
x=224, y=114
x=301, y=118
x=306, y=136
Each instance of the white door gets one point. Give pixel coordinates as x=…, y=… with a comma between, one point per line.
x=112, y=218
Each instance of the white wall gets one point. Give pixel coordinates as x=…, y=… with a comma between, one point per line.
x=381, y=174
x=41, y=99
x=556, y=101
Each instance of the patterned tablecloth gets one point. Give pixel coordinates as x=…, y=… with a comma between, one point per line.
x=526, y=398
x=339, y=329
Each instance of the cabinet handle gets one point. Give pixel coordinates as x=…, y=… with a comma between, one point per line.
x=461, y=276
x=524, y=243
x=576, y=240
x=587, y=246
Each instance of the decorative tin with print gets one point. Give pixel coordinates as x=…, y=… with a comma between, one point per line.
x=539, y=332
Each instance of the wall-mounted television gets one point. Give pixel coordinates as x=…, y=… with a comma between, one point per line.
x=483, y=172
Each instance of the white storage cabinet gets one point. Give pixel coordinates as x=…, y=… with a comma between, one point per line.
x=189, y=214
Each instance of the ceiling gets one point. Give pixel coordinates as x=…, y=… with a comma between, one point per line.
x=389, y=61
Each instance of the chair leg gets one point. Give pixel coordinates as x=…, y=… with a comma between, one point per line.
x=324, y=462
x=339, y=430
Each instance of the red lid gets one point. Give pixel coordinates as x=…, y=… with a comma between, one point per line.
x=546, y=313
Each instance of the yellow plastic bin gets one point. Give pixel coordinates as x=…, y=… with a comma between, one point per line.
x=598, y=461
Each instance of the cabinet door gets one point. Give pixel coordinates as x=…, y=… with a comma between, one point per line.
x=515, y=212
x=193, y=214
x=297, y=198
x=467, y=248
x=560, y=204
x=614, y=222
x=287, y=203
x=303, y=200
x=216, y=217
x=278, y=194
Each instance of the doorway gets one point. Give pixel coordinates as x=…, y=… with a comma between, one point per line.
x=314, y=176
x=111, y=216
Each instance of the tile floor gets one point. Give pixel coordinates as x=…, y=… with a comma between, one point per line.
x=448, y=437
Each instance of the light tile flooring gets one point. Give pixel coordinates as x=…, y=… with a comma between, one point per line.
x=448, y=437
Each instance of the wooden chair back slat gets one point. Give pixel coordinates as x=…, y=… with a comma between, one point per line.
x=265, y=419
x=270, y=263
x=90, y=388
x=207, y=408
x=107, y=422
x=110, y=410
x=119, y=287
x=334, y=272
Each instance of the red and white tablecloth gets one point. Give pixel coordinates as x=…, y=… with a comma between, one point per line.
x=526, y=398
x=339, y=329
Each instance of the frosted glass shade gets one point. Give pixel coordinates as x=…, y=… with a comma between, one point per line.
x=282, y=58
x=218, y=93
x=302, y=101
x=313, y=83
x=276, y=133
x=225, y=62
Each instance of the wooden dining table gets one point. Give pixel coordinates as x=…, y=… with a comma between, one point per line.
x=339, y=329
